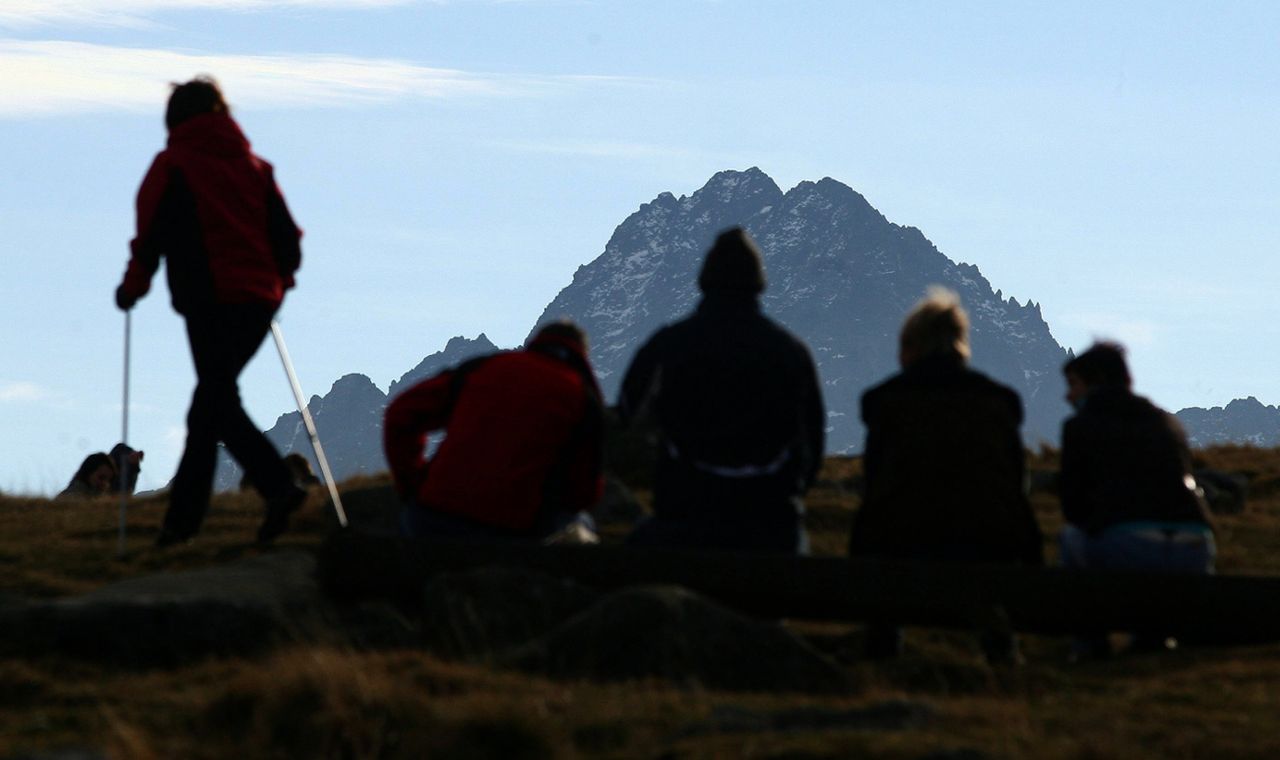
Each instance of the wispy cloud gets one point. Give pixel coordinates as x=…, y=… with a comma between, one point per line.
x=22, y=392
x=50, y=77
x=34, y=13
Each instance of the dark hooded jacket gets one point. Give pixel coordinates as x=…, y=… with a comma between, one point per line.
x=524, y=437
x=737, y=400
x=212, y=208
x=944, y=469
x=1126, y=460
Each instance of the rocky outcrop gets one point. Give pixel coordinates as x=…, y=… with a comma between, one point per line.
x=165, y=619
x=478, y=614
x=674, y=634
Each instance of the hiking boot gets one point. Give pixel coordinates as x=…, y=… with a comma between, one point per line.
x=278, y=511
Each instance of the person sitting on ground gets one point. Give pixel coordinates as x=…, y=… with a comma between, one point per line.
x=128, y=464
x=739, y=412
x=523, y=447
x=1128, y=495
x=92, y=479
x=943, y=462
x=300, y=466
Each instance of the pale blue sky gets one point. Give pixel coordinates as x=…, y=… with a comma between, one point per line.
x=454, y=162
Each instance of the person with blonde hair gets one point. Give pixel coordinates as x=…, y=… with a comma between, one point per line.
x=943, y=462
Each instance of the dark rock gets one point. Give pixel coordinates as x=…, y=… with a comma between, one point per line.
x=669, y=632
x=170, y=618
x=377, y=625
x=375, y=509
x=480, y=613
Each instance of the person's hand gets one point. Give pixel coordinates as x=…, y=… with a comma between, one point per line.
x=124, y=300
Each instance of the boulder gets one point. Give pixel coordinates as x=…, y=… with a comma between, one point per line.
x=170, y=618
x=373, y=509
x=477, y=614
x=671, y=633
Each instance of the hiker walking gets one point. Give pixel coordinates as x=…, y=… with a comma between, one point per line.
x=213, y=210
x=739, y=411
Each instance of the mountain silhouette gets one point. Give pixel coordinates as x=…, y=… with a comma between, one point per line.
x=840, y=276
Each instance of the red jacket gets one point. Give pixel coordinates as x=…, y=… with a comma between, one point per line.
x=523, y=437
x=213, y=208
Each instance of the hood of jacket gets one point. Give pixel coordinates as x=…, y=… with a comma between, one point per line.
x=215, y=133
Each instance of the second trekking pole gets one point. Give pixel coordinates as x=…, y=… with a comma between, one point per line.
x=124, y=438
x=306, y=420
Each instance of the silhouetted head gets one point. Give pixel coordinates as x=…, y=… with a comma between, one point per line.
x=199, y=96
x=1102, y=365
x=96, y=471
x=562, y=331
x=937, y=326
x=733, y=265
x=128, y=463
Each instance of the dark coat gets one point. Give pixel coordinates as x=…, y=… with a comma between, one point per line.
x=1124, y=460
x=737, y=401
x=944, y=469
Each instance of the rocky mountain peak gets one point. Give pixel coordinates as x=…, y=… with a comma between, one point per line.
x=456, y=351
x=840, y=275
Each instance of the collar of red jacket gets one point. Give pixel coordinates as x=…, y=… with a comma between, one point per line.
x=210, y=132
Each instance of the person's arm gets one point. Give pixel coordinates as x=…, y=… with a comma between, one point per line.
x=409, y=417
x=585, y=473
x=815, y=419
x=863, y=535
x=284, y=233
x=640, y=380
x=1073, y=487
x=146, y=244
x=1033, y=539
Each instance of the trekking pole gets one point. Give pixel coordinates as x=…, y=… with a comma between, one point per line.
x=124, y=438
x=306, y=420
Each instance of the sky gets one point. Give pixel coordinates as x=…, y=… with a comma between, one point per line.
x=454, y=161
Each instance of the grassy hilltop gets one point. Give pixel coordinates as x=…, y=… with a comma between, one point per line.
x=341, y=701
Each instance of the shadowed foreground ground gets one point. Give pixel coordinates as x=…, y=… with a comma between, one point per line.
x=347, y=699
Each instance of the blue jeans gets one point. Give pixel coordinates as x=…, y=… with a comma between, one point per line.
x=1173, y=548
x=1178, y=548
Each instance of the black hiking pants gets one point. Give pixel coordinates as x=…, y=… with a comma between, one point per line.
x=223, y=338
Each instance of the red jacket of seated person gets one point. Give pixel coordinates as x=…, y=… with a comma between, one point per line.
x=523, y=436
